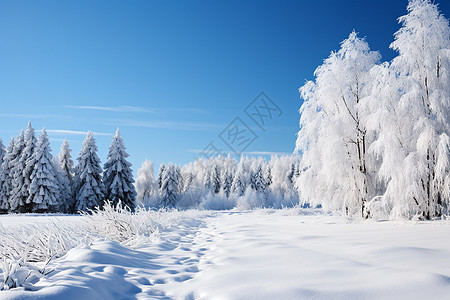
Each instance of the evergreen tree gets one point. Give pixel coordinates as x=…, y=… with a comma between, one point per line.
x=170, y=187
x=257, y=181
x=23, y=169
x=44, y=192
x=6, y=178
x=2, y=150
x=215, y=179
x=16, y=198
x=65, y=164
x=268, y=175
x=88, y=186
x=239, y=184
x=227, y=181
x=118, y=176
x=159, y=180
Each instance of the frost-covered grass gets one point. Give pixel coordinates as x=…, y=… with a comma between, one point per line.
x=27, y=249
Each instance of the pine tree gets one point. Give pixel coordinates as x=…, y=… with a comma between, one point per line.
x=88, y=186
x=23, y=169
x=239, y=184
x=44, y=192
x=5, y=177
x=215, y=179
x=257, y=181
x=16, y=200
x=65, y=164
x=2, y=150
x=118, y=176
x=170, y=187
x=159, y=180
x=227, y=181
x=268, y=175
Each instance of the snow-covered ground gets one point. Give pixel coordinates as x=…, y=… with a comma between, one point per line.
x=264, y=254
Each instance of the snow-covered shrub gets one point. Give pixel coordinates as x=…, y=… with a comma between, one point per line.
x=217, y=201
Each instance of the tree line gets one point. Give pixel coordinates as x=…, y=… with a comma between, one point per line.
x=221, y=183
x=32, y=180
x=374, y=137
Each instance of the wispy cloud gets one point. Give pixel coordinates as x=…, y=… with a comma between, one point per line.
x=179, y=125
x=74, y=132
x=112, y=108
x=28, y=116
x=135, y=109
x=269, y=153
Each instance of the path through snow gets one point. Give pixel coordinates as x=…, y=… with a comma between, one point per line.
x=260, y=255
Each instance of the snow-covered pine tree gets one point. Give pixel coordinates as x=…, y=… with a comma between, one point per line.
x=215, y=179
x=5, y=177
x=44, y=192
x=227, y=181
x=170, y=187
x=16, y=200
x=257, y=181
x=66, y=177
x=2, y=150
x=333, y=138
x=239, y=184
x=146, y=185
x=88, y=185
x=118, y=176
x=65, y=202
x=268, y=175
x=208, y=182
x=159, y=180
x=22, y=171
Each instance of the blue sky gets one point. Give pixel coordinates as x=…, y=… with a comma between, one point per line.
x=172, y=75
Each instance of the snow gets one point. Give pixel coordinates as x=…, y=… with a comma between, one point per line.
x=262, y=254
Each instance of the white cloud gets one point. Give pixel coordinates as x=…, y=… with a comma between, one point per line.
x=167, y=124
x=112, y=108
x=74, y=132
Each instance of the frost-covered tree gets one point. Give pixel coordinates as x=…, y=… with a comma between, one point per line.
x=118, y=176
x=6, y=177
x=414, y=142
x=65, y=170
x=227, y=181
x=23, y=169
x=146, y=185
x=2, y=150
x=333, y=138
x=268, y=175
x=170, y=186
x=159, y=180
x=239, y=184
x=257, y=181
x=215, y=179
x=88, y=186
x=44, y=192
x=16, y=199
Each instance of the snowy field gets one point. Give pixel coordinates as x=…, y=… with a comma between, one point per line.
x=263, y=254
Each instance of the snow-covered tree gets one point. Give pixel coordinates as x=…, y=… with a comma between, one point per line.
x=257, y=181
x=239, y=184
x=65, y=170
x=227, y=181
x=88, y=185
x=146, y=185
x=159, y=180
x=23, y=169
x=215, y=179
x=268, y=175
x=333, y=138
x=170, y=186
x=415, y=97
x=6, y=177
x=16, y=199
x=44, y=192
x=118, y=176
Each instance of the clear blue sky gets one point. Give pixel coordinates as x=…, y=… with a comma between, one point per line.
x=171, y=74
